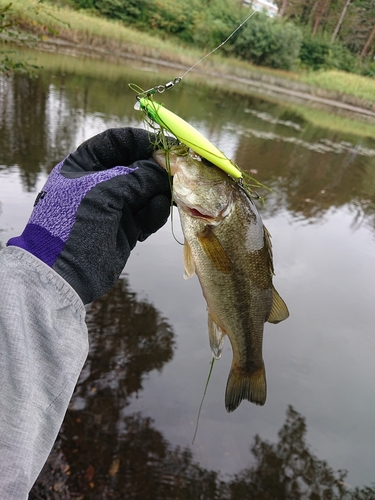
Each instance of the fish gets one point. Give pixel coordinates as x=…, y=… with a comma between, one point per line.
x=227, y=246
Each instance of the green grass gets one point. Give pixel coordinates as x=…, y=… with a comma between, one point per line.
x=111, y=37
x=330, y=121
x=347, y=83
x=81, y=27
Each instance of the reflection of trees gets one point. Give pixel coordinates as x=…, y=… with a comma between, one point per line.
x=102, y=452
x=28, y=118
x=128, y=339
x=143, y=465
x=308, y=167
x=22, y=125
x=287, y=469
x=309, y=172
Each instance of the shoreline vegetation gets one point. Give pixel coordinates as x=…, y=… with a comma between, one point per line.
x=58, y=28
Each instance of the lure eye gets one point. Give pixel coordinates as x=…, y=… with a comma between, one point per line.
x=207, y=163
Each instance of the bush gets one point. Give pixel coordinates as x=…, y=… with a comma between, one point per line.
x=213, y=25
x=269, y=42
x=174, y=17
x=84, y=4
x=314, y=53
x=318, y=53
x=342, y=58
x=368, y=70
x=123, y=10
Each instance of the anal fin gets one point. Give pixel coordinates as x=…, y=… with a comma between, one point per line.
x=216, y=337
x=189, y=265
x=279, y=310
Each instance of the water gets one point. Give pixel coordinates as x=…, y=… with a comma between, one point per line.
x=128, y=431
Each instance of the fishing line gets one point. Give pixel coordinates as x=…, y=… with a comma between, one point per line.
x=204, y=395
x=168, y=165
x=219, y=46
x=161, y=88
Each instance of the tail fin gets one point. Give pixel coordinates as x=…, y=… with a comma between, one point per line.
x=250, y=386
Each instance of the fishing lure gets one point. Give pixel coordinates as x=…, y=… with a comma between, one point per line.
x=189, y=136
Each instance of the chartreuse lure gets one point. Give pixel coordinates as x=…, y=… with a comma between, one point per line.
x=189, y=136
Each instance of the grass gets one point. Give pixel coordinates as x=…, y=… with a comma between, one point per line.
x=329, y=121
x=81, y=27
x=113, y=38
x=340, y=81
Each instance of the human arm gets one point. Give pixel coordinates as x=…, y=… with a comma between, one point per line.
x=63, y=258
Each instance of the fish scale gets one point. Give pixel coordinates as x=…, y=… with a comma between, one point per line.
x=229, y=249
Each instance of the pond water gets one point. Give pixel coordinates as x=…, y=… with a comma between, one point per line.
x=128, y=432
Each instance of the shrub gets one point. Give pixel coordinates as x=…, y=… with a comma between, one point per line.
x=342, y=58
x=84, y=4
x=123, y=10
x=269, y=42
x=314, y=52
x=174, y=17
x=215, y=23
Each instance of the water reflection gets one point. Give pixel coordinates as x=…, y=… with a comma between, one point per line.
x=98, y=441
x=309, y=169
x=138, y=463
x=104, y=452
x=138, y=395
x=23, y=126
x=310, y=177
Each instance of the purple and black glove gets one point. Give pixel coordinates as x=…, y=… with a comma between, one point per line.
x=92, y=210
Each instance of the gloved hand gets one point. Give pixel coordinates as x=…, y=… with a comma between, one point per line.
x=95, y=206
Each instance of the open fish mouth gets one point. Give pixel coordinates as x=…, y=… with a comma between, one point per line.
x=195, y=212
x=199, y=213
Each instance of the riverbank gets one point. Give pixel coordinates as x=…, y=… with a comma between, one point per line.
x=255, y=80
x=63, y=30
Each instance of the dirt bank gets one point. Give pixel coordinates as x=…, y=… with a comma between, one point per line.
x=241, y=78
x=256, y=81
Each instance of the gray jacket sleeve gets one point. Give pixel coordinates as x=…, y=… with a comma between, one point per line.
x=43, y=346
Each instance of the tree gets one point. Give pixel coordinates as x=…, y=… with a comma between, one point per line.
x=341, y=18
x=10, y=61
x=282, y=8
x=321, y=11
x=368, y=42
x=357, y=31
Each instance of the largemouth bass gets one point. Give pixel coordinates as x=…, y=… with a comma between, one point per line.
x=230, y=250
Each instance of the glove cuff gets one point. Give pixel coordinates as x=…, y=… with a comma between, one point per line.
x=40, y=242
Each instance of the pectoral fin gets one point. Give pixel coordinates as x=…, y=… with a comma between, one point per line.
x=279, y=310
x=214, y=250
x=216, y=336
x=188, y=262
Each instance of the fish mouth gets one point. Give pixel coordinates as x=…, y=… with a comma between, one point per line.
x=197, y=213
